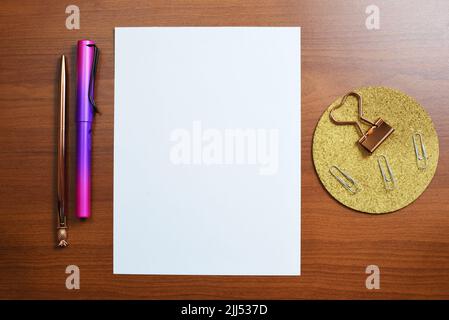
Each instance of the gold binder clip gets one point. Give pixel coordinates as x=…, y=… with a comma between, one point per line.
x=378, y=133
x=389, y=179
x=420, y=151
x=345, y=179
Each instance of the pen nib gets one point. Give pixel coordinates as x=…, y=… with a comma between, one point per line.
x=63, y=243
x=62, y=237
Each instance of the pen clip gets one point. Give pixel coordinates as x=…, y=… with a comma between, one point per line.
x=92, y=77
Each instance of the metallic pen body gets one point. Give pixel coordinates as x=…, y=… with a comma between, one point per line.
x=62, y=222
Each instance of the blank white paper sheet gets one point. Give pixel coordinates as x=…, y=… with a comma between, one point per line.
x=207, y=151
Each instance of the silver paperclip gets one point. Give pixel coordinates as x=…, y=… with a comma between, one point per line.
x=389, y=179
x=420, y=151
x=349, y=184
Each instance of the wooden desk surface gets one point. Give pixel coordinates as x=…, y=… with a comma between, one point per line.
x=410, y=52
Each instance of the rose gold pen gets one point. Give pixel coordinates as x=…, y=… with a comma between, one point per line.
x=62, y=220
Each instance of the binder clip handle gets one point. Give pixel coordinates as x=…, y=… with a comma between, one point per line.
x=359, y=103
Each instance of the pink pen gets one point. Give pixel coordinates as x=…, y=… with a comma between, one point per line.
x=85, y=109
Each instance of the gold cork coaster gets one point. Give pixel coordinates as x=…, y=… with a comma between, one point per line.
x=337, y=145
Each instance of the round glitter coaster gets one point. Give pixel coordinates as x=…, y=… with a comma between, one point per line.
x=373, y=189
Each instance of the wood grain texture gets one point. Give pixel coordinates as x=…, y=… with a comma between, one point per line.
x=410, y=52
